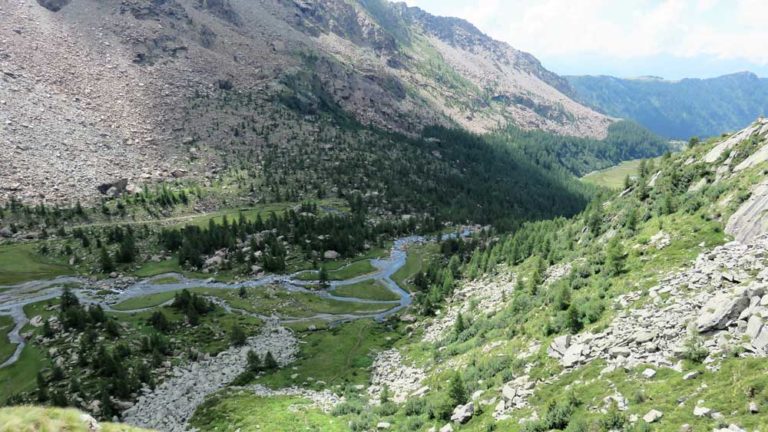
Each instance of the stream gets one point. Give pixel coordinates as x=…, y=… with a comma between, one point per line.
x=14, y=298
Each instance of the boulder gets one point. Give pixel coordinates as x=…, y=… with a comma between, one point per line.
x=649, y=373
x=115, y=188
x=573, y=355
x=645, y=336
x=558, y=346
x=53, y=5
x=462, y=413
x=761, y=340
x=383, y=425
x=508, y=392
x=720, y=310
x=653, y=416
x=691, y=375
x=701, y=411
x=6, y=232
x=90, y=423
x=447, y=428
x=330, y=255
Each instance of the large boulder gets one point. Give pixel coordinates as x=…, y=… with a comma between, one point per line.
x=720, y=310
x=53, y=5
x=462, y=413
x=653, y=416
x=559, y=346
x=573, y=355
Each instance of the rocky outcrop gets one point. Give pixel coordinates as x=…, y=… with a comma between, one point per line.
x=716, y=296
x=402, y=380
x=751, y=219
x=488, y=294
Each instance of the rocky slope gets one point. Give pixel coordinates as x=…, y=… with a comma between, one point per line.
x=98, y=91
x=687, y=309
x=170, y=406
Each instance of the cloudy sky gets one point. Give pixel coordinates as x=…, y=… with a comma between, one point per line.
x=628, y=38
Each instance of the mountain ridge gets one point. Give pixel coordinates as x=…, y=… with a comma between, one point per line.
x=677, y=109
x=119, y=83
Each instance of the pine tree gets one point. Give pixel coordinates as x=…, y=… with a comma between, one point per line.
x=107, y=266
x=323, y=277
x=68, y=300
x=456, y=390
x=159, y=321
x=127, y=252
x=458, y=326
x=384, y=396
x=269, y=361
x=615, y=258
x=112, y=328
x=42, y=388
x=237, y=336
x=242, y=292
x=254, y=362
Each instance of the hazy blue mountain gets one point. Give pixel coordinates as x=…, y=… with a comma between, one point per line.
x=678, y=109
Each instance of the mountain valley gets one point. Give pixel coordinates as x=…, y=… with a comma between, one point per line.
x=353, y=215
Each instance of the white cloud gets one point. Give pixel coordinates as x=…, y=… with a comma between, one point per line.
x=724, y=29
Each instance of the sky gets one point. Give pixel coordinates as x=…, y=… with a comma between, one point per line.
x=673, y=39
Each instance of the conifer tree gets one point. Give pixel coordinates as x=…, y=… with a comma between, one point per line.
x=237, y=336
x=107, y=266
x=269, y=361
x=456, y=390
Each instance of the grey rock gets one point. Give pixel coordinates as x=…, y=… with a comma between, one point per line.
x=720, y=310
x=559, y=345
x=462, y=413
x=653, y=416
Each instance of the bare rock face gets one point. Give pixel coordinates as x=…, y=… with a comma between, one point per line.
x=53, y=5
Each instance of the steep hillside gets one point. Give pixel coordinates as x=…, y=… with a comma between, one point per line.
x=99, y=91
x=646, y=312
x=678, y=109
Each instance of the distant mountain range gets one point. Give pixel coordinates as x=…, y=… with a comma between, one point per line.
x=678, y=109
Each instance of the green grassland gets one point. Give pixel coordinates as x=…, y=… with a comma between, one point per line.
x=20, y=376
x=417, y=259
x=6, y=347
x=337, y=357
x=143, y=302
x=22, y=262
x=229, y=411
x=368, y=290
x=289, y=304
x=354, y=269
x=613, y=177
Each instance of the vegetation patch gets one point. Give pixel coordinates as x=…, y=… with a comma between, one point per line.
x=349, y=271
x=6, y=347
x=144, y=302
x=336, y=357
x=39, y=419
x=242, y=411
x=23, y=262
x=368, y=290
x=614, y=177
